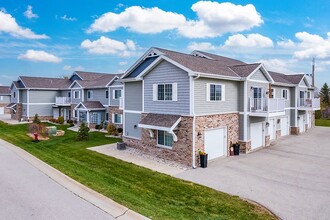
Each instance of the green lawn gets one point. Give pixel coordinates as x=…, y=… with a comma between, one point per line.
x=322, y=122
x=152, y=194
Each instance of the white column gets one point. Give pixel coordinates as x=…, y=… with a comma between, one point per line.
x=88, y=118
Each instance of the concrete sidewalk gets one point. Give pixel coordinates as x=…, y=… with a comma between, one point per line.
x=113, y=209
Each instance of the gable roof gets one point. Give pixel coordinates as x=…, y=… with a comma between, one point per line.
x=4, y=90
x=245, y=70
x=44, y=83
x=102, y=81
x=89, y=75
x=91, y=105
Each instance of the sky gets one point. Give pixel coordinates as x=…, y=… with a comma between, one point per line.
x=54, y=38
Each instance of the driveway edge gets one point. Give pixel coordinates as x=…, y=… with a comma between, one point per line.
x=109, y=206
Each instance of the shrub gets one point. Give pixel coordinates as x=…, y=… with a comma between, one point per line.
x=60, y=120
x=69, y=121
x=120, y=130
x=98, y=127
x=83, y=132
x=71, y=125
x=36, y=119
x=318, y=114
x=112, y=130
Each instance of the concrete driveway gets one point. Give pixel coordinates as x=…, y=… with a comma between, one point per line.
x=291, y=177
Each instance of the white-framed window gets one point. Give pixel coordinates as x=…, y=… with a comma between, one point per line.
x=14, y=94
x=117, y=118
x=284, y=93
x=89, y=94
x=107, y=116
x=215, y=92
x=74, y=113
x=165, y=92
x=164, y=139
x=116, y=94
x=272, y=93
x=107, y=94
x=76, y=94
x=69, y=94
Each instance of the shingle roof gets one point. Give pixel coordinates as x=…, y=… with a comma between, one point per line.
x=244, y=70
x=93, y=105
x=160, y=120
x=4, y=90
x=295, y=79
x=101, y=81
x=89, y=75
x=43, y=82
x=17, y=84
x=279, y=77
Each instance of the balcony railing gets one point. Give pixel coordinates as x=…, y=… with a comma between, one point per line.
x=121, y=103
x=309, y=103
x=62, y=100
x=266, y=105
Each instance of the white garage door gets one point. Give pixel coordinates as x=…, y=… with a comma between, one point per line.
x=256, y=135
x=301, y=124
x=216, y=143
x=284, y=126
x=309, y=119
x=2, y=110
x=271, y=129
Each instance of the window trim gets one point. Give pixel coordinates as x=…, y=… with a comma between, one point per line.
x=14, y=95
x=164, y=146
x=287, y=94
x=174, y=92
x=114, y=94
x=208, y=92
x=113, y=119
x=69, y=94
x=90, y=93
x=74, y=94
x=106, y=94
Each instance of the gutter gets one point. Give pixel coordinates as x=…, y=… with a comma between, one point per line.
x=194, y=121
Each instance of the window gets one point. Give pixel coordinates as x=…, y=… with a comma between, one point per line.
x=107, y=116
x=215, y=92
x=285, y=94
x=107, y=94
x=94, y=117
x=69, y=94
x=164, y=139
x=165, y=92
x=116, y=93
x=74, y=113
x=89, y=94
x=1, y=98
x=308, y=95
x=14, y=94
x=117, y=118
x=76, y=94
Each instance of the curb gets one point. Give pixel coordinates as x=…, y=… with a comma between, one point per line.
x=102, y=202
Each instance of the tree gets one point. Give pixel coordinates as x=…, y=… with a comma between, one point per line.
x=325, y=95
x=83, y=132
x=36, y=119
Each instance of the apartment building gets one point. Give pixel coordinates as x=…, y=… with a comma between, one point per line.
x=4, y=99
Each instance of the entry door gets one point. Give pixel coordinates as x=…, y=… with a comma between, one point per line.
x=302, y=98
x=301, y=124
x=256, y=135
x=271, y=129
x=284, y=126
x=216, y=143
x=257, y=98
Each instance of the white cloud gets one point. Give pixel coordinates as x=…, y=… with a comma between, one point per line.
x=286, y=44
x=29, y=13
x=8, y=25
x=39, y=56
x=123, y=63
x=66, y=18
x=312, y=45
x=71, y=68
x=214, y=19
x=105, y=45
x=278, y=65
x=203, y=46
x=251, y=40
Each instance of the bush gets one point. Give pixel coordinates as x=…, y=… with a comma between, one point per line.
x=83, y=132
x=69, y=121
x=112, y=130
x=98, y=127
x=120, y=130
x=71, y=125
x=60, y=120
x=318, y=114
x=36, y=119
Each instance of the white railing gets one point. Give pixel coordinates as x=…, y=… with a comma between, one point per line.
x=62, y=100
x=121, y=103
x=266, y=105
x=309, y=103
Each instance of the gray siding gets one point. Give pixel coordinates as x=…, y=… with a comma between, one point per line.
x=115, y=102
x=202, y=106
x=241, y=93
x=259, y=75
x=241, y=127
x=12, y=99
x=167, y=73
x=41, y=110
x=98, y=95
x=23, y=96
x=133, y=96
x=75, y=86
x=24, y=110
x=250, y=84
x=64, y=93
x=131, y=122
x=43, y=96
x=76, y=101
x=302, y=83
x=5, y=99
x=278, y=94
x=116, y=83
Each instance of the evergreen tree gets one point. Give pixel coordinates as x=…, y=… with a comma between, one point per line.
x=325, y=94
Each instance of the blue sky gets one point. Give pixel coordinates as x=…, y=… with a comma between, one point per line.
x=54, y=38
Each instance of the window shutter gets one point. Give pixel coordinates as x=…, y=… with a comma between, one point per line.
x=208, y=92
x=121, y=119
x=114, y=94
x=154, y=92
x=223, y=93
x=174, y=92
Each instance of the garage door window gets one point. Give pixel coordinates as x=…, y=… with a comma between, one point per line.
x=165, y=139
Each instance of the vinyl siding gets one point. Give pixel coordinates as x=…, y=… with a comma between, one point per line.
x=24, y=110
x=76, y=101
x=241, y=127
x=98, y=95
x=75, y=86
x=250, y=84
x=41, y=110
x=12, y=99
x=115, y=102
x=278, y=94
x=139, y=69
x=5, y=99
x=241, y=96
x=64, y=93
x=42, y=96
x=133, y=96
x=132, y=119
x=259, y=75
x=23, y=96
x=230, y=104
x=165, y=72
x=116, y=83
x=303, y=83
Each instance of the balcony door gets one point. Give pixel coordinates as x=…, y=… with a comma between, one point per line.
x=302, y=98
x=257, y=98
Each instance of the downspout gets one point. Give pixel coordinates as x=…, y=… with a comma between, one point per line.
x=194, y=119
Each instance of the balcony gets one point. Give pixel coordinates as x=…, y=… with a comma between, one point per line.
x=62, y=101
x=265, y=107
x=308, y=104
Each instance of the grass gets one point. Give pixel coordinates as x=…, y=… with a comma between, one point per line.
x=152, y=194
x=322, y=122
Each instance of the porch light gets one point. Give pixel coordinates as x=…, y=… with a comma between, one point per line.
x=199, y=134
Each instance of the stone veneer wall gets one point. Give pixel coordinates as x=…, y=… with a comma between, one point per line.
x=115, y=110
x=245, y=146
x=6, y=110
x=294, y=130
x=181, y=151
x=203, y=123
x=267, y=140
x=19, y=111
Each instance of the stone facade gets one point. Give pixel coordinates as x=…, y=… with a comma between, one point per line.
x=19, y=111
x=267, y=140
x=114, y=110
x=245, y=146
x=278, y=134
x=181, y=151
x=6, y=110
x=203, y=123
x=294, y=130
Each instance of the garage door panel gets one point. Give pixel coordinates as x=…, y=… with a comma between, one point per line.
x=256, y=135
x=271, y=129
x=2, y=110
x=284, y=126
x=215, y=143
